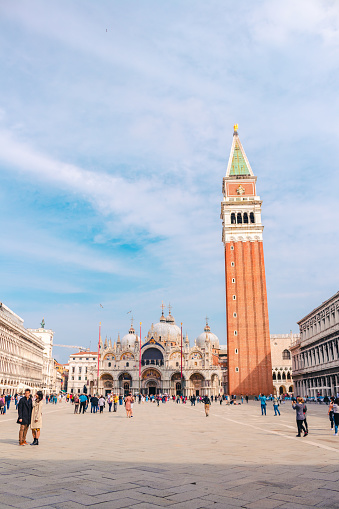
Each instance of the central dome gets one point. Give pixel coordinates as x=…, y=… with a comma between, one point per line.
x=166, y=329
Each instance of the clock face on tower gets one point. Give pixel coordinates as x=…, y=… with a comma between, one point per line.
x=240, y=190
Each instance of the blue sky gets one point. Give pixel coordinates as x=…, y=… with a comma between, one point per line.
x=113, y=146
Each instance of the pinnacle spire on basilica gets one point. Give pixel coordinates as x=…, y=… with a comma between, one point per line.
x=238, y=164
x=162, y=318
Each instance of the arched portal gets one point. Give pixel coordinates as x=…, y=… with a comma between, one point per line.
x=197, y=384
x=177, y=384
x=151, y=381
x=106, y=383
x=125, y=383
x=282, y=389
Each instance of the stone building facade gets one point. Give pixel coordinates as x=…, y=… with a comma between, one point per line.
x=282, y=362
x=79, y=366
x=21, y=354
x=50, y=380
x=315, y=354
x=159, y=363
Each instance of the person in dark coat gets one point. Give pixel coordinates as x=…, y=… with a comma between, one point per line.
x=24, y=416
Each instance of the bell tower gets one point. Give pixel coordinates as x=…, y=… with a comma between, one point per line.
x=248, y=335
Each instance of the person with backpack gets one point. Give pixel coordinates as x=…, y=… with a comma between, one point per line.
x=207, y=403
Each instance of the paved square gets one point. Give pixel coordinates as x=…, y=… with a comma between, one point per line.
x=171, y=455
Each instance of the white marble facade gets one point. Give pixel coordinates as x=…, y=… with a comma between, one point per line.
x=160, y=364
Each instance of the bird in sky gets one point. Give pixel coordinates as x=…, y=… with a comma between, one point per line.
x=101, y=306
x=129, y=312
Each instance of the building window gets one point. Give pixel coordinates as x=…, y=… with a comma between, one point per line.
x=235, y=333
x=246, y=218
x=85, y=377
x=252, y=218
x=239, y=218
x=87, y=359
x=72, y=378
x=86, y=369
x=79, y=377
x=74, y=358
x=232, y=264
x=78, y=391
x=234, y=297
x=234, y=315
x=274, y=376
x=237, y=370
x=127, y=364
x=286, y=355
x=232, y=218
x=236, y=350
x=79, y=369
x=109, y=364
x=233, y=280
x=232, y=248
x=73, y=369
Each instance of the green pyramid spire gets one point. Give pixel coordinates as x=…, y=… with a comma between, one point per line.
x=239, y=165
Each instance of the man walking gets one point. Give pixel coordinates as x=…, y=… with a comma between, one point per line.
x=262, y=398
x=207, y=403
x=83, y=402
x=24, y=416
x=276, y=405
x=115, y=402
x=94, y=404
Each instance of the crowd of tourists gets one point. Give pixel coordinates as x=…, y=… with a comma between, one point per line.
x=29, y=408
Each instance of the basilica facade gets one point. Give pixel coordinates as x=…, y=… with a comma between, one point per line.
x=164, y=363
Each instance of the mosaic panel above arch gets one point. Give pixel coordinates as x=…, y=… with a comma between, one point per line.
x=127, y=356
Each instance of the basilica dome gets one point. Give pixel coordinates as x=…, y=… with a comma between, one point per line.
x=207, y=334
x=129, y=339
x=166, y=329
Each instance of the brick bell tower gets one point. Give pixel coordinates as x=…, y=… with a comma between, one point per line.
x=248, y=335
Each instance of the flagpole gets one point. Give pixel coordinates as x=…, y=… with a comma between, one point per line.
x=98, y=357
x=181, y=357
x=140, y=361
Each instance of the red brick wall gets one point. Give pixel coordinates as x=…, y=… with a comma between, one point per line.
x=251, y=323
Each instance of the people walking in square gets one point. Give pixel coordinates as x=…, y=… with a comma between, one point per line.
x=110, y=402
x=83, y=403
x=115, y=402
x=94, y=404
x=101, y=404
x=305, y=417
x=24, y=416
x=2, y=404
x=128, y=405
x=298, y=406
x=207, y=403
x=246, y=397
x=336, y=416
x=36, y=419
x=262, y=399
x=331, y=413
x=276, y=405
x=8, y=400
x=76, y=404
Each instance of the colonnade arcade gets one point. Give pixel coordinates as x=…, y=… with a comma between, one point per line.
x=153, y=382
x=326, y=385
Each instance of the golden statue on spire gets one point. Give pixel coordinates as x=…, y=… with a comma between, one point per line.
x=235, y=127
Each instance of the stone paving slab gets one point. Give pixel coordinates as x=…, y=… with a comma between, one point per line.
x=171, y=456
